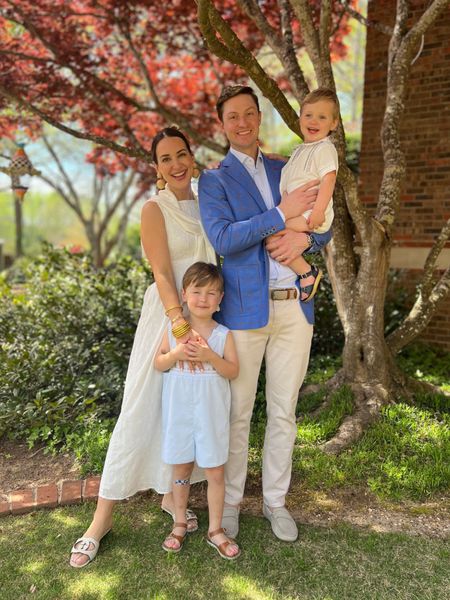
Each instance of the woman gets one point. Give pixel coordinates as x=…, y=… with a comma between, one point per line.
x=172, y=239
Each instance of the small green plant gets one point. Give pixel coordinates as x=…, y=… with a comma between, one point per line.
x=90, y=443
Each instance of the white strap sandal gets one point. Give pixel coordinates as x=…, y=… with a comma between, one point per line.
x=84, y=542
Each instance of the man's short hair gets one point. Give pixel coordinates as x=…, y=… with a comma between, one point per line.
x=230, y=91
x=322, y=94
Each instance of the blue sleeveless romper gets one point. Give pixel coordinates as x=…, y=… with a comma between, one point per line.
x=196, y=411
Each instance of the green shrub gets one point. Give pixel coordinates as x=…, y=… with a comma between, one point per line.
x=90, y=443
x=66, y=336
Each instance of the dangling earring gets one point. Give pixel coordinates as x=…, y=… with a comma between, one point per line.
x=196, y=172
x=218, y=308
x=160, y=181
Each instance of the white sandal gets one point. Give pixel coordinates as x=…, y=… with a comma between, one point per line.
x=191, y=517
x=84, y=549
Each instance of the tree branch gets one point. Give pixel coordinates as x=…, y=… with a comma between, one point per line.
x=420, y=314
x=62, y=192
x=120, y=197
x=62, y=171
x=293, y=71
x=234, y=51
x=19, y=100
x=325, y=28
x=386, y=29
x=401, y=50
x=169, y=114
x=429, y=296
x=282, y=45
x=433, y=255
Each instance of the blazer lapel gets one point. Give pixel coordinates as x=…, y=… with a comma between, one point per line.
x=273, y=171
x=236, y=170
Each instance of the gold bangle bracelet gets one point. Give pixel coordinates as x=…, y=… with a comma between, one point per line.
x=174, y=319
x=171, y=308
x=184, y=326
x=181, y=330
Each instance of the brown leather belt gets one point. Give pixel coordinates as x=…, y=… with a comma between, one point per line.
x=284, y=294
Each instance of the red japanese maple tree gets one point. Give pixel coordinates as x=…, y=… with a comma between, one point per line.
x=115, y=71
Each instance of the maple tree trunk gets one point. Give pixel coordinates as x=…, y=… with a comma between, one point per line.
x=95, y=242
x=368, y=365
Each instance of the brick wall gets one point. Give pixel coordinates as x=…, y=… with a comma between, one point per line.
x=425, y=135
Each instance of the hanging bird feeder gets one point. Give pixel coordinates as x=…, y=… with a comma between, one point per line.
x=20, y=170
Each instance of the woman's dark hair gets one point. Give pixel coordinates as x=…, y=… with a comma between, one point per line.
x=164, y=133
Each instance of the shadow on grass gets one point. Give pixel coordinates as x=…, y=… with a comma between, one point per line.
x=335, y=563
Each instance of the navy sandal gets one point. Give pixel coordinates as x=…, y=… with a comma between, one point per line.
x=312, y=288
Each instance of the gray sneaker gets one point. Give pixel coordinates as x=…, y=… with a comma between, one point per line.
x=230, y=521
x=283, y=525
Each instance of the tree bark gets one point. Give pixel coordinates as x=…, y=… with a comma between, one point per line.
x=19, y=226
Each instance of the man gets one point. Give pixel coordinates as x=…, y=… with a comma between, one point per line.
x=240, y=208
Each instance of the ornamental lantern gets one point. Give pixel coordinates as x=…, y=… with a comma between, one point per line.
x=20, y=170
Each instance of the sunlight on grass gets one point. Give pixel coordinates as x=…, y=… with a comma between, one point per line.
x=34, y=567
x=406, y=454
x=242, y=587
x=64, y=519
x=100, y=585
x=325, y=424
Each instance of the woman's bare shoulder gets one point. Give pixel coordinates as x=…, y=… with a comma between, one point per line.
x=151, y=208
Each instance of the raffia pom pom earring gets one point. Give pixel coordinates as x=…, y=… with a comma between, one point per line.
x=196, y=172
x=160, y=182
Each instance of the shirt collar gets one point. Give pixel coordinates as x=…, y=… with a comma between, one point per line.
x=247, y=160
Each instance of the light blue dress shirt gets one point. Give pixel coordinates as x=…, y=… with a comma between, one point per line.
x=280, y=276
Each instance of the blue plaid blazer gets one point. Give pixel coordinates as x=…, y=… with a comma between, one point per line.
x=237, y=221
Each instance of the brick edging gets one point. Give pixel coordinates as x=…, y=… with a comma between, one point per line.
x=64, y=492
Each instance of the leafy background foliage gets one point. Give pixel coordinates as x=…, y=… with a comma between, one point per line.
x=66, y=338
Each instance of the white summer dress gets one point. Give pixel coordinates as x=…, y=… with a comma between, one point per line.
x=196, y=410
x=133, y=461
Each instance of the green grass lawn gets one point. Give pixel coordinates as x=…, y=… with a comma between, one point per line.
x=339, y=563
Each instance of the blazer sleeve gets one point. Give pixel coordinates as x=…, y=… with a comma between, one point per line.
x=224, y=231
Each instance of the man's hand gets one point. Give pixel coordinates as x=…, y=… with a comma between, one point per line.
x=287, y=245
x=299, y=200
x=316, y=218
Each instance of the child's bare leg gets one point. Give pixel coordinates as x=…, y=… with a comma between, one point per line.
x=308, y=285
x=168, y=506
x=299, y=265
x=216, y=496
x=180, y=489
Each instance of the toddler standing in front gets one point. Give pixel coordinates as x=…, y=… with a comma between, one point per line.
x=316, y=158
x=196, y=404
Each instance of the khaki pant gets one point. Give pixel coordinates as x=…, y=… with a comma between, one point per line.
x=285, y=343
